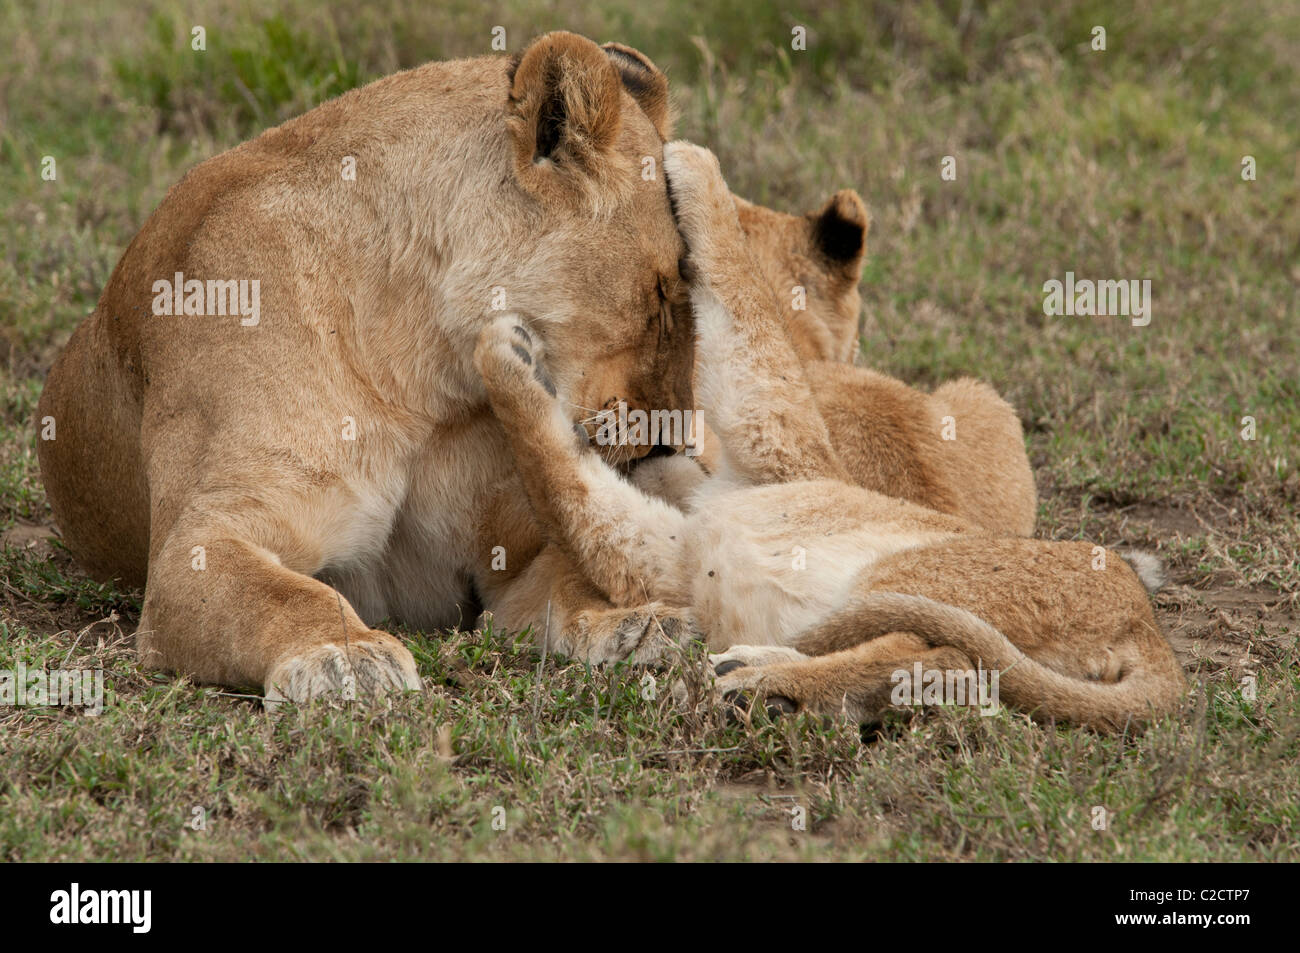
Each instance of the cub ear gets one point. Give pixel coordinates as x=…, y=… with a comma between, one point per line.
x=565, y=106
x=645, y=83
x=839, y=233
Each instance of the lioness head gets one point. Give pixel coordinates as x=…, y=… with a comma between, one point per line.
x=820, y=253
x=595, y=250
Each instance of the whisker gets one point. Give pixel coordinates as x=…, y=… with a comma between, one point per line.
x=594, y=410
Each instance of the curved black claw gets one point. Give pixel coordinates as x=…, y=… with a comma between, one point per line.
x=740, y=703
x=544, y=379
x=730, y=665
x=774, y=705
x=778, y=705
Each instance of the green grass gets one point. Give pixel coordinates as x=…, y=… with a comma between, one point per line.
x=1115, y=164
x=582, y=765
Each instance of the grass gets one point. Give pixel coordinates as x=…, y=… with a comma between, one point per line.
x=1117, y=164
x=587, y=764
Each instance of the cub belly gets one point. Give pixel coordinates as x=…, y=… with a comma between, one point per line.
x=765, y=563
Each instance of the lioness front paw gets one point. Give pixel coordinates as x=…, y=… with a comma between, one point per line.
x=364, y=668
x=702, y=203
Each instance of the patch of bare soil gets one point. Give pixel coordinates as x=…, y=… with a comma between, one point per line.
x=1227, y=630
x=1218, y=624
x=30, y=538
x=1167, y=522
x=46, y=616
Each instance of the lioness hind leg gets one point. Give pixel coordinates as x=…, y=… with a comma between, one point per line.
x=93, y=473
x=625, y=542
x=237, y=616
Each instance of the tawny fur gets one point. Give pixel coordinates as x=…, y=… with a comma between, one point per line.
x=780, y=548
x=208, y=460
x=184, y=432
x=959, y=450
x=889, y=436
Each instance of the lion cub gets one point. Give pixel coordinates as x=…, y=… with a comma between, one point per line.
x=958, y=450
x=816, y=590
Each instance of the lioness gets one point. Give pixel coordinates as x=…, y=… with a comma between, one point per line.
x=820, y=590
x=272, y=419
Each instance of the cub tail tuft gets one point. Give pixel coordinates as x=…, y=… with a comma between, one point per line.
x=1149, y=568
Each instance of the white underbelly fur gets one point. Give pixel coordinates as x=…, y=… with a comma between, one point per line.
x=760, y=575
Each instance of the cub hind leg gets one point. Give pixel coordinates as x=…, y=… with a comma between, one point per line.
x=569, y=617
x=859, y=682
x=988, y=452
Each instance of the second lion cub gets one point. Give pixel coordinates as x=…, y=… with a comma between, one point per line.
x=889, y=435
x=814, y=589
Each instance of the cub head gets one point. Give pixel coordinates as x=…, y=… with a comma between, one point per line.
x=594, y=252
x=822, y=253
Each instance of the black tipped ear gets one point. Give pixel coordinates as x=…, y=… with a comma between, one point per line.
x=839, y=232
x=644, y=82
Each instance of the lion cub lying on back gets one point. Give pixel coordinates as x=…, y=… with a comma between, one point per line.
x=818, y=588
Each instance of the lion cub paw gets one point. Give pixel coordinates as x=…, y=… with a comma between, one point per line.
x=511, y=360
x=701, y=201
x=740, y=677
x=752, y=656
x=365, y=668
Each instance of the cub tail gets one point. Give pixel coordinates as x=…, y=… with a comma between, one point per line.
x=1143, y=692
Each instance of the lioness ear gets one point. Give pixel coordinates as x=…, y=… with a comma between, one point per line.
x=645, y=83
x=565, y=106
x=839, y=233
